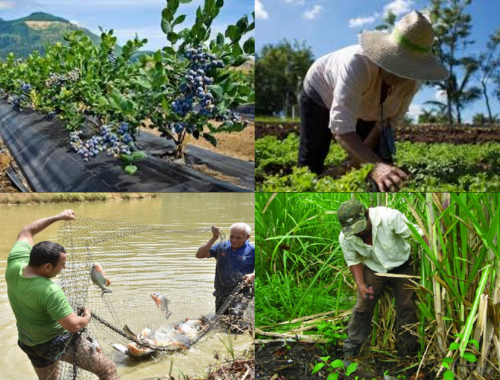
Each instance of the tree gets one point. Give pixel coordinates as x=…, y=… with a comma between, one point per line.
x=279, y=72
x=389, y=22
x=489, y=64
x=435, y=115
x=461, y=93
x=452, y=28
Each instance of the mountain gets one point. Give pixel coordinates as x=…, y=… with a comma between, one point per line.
x=34, y=32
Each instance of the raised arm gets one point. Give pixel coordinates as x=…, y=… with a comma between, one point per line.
x=203, y=251
x=37, y=226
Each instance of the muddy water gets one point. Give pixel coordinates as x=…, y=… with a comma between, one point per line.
x=179, y=211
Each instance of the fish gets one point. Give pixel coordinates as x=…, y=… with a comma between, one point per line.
x=129, y=332
x=99, y=278
x=182, y=341
x=133, y=350
x=188, y=330
x=195, y=323
x=162, y=303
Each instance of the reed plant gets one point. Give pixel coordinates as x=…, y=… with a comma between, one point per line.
x=458, y=291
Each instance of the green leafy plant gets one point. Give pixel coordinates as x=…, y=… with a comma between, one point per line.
x=104, y=95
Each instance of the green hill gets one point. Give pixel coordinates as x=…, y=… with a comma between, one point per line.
x=34, y=32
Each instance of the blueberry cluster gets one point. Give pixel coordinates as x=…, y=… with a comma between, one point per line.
x=17, y=101
x=112, y=143
x=195, y=96
x=56, y=80
x=25, y=87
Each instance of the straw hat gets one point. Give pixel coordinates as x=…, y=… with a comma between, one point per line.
x=407, y=51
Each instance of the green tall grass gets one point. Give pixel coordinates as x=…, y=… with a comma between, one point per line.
x=301, y=271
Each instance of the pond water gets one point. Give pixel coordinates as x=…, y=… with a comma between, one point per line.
x=176, y=211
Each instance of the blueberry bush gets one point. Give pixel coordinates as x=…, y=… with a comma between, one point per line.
x=188, y=88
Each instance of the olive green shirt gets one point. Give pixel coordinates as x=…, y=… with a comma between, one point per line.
x=37, y=302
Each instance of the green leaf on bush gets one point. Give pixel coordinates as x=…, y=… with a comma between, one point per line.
x=351, y=368
x=179, y=20
x=454, y=346
x=469, y=357
x=448, y=375
x=165, y=26
x=317, y=367
x=249, y=46
x=210, y=138
x=216, y=91
x=448, y=360
x=130, y=169
x=137, y=155
x=233, y=33
x=338, y=364
x=475, y=343
x=333, y=376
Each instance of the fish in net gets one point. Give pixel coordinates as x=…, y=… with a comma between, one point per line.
x=147, y=293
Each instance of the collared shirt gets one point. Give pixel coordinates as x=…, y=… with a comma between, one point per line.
x=37, y=302
x=389, y=249
x=231, y=265
x=349, y=84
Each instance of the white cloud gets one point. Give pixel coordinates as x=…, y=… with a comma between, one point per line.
x=360, y=21
x=260, y=12
x=440, y=96
x=415, y=110
x=312, y=13
x=6, y=4
x=398, y=7
x=295, y=2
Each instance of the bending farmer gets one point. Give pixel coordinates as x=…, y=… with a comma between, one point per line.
x=235, y=267
x=45, y=319
x=373, y=241
x=357, y=93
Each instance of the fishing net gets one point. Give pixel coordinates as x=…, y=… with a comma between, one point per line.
x=146, y=265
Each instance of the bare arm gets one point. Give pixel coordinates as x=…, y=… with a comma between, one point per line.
x=383, y=174
x=357, y=272
x=37, y=226
x=203, y=251
x=74, y=323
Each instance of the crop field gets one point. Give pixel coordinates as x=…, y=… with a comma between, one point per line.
x=189, y=89
x=436, y=158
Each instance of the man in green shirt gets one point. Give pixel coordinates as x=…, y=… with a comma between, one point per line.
x=45, y=319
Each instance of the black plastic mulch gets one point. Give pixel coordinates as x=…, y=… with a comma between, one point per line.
x=41, y=148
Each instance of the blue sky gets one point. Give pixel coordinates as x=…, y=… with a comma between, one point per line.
x=125, y=17
x=328, y=25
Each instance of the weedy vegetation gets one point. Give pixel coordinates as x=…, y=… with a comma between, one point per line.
x=305, y=290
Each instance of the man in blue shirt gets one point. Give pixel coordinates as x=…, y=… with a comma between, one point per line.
x=235, y=268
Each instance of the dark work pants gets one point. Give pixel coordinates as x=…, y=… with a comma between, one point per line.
x=315, y=136
x=360, y=323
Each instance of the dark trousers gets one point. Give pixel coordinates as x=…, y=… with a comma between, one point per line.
x=359, y=326
x=315, y=136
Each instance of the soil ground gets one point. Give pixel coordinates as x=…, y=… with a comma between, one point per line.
x=414, y=133
x=296, y=361
x=238, y=145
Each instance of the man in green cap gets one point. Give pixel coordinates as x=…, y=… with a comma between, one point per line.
x=373, y=241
